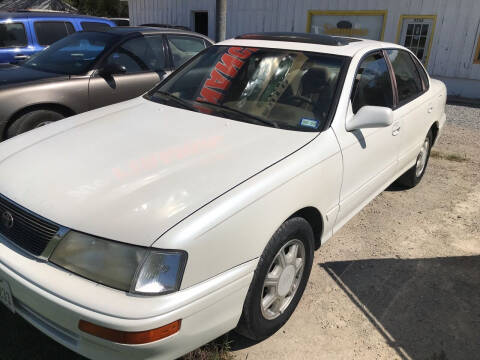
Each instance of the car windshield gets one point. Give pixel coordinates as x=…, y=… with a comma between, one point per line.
x=271, y=87
x=73, y=55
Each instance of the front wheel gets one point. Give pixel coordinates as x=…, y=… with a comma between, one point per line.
x=413, y=176
x=33, y=120
x=279, y=280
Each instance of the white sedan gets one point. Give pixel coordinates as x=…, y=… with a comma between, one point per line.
x=145, y=229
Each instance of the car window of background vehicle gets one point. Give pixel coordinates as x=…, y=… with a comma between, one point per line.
x=49, y=32
x=408, y=80
x=73, y=55
x=372, y=85
x=137, y=55
x=184, y=47
x=12, y=35
x=94, y=26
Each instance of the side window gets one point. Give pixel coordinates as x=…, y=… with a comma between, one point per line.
x=12, y=35
x=94, y=26
x=156, y=62
x=422, y=72
x=408, y=80
x=49, y=32
x=372, y=85
x=184, y=47
x=136, y=55
x=70, y=28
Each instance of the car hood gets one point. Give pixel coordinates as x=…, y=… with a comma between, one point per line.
x=131, y=171
x=13, y=74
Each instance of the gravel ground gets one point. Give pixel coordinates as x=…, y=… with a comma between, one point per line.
x=400, y=281
x=464, y=116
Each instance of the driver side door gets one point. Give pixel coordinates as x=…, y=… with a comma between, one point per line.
x=144, y=61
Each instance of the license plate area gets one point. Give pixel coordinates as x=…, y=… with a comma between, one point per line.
x=6, y=297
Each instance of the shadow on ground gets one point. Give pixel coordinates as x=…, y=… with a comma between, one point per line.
x=424, y=308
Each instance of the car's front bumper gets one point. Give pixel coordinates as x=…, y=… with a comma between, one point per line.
x=55, y=301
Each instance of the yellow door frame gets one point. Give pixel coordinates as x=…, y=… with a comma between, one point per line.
x=476, y=59
x=434, y=22
x=311, y=13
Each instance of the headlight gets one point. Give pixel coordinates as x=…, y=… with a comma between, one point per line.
x=121, y=266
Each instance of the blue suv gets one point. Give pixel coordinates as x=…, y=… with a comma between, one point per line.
x=23, y=34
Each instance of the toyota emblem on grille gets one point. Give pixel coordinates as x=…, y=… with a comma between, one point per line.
x=7, y=219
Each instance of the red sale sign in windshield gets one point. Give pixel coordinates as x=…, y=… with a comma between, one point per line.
x=222, y=75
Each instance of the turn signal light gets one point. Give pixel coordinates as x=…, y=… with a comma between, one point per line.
x=130, y=338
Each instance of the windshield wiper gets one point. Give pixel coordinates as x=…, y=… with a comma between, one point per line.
x=241, y=113
x=177, y=100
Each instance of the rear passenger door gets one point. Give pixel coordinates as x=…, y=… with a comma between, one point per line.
x=412, y=112
x=144, y=60
x=184, y=47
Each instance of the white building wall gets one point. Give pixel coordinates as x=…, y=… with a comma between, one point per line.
x=454, y=41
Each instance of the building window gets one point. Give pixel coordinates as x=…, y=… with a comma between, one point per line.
x=362, y=24
x=416, y=32
x=476, y=59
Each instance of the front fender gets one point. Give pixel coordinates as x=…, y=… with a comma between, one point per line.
x=70, y=94
x=236, y=227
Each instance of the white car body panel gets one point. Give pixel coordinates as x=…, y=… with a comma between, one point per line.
x=151, y=175
x=141, y=186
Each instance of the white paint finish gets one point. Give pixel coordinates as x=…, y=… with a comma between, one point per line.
x=64, y=172
x=246, y=217
x=454, y=40
x=144, y=169
x=207, y=311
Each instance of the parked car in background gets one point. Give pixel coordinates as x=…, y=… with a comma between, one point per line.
x=148, y=228
x=121, y=21
x=23, y=34
x=88, y=70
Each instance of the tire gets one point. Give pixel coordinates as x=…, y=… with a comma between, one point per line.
x=33, y=120
x=259, y=322
x=413, y=176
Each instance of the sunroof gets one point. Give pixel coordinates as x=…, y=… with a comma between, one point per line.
x=299, y=37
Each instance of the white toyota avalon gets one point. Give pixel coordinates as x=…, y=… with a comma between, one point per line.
x=145, y=229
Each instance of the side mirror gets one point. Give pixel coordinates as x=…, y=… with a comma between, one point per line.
x=370, y=117
x=112, y=69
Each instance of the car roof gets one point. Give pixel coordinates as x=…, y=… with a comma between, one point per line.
x=336, y=45
x=44, y=14
x=144, y=30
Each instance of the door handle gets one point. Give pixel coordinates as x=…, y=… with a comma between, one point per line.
x=396, y=130
x=430, y=109
x=20, y=57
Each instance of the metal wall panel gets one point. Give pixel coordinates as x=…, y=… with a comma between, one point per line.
x=454, y=40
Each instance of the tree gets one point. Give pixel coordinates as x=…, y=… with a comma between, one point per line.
x=107, y=8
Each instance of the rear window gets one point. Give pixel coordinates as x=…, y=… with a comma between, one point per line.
x=12, y=35
x=94, y=26
x=49, y=32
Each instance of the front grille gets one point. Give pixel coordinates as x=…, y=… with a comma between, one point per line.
x=25, y=229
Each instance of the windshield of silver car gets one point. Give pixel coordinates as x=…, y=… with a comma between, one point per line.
x=74, y=55
x=286, y=89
